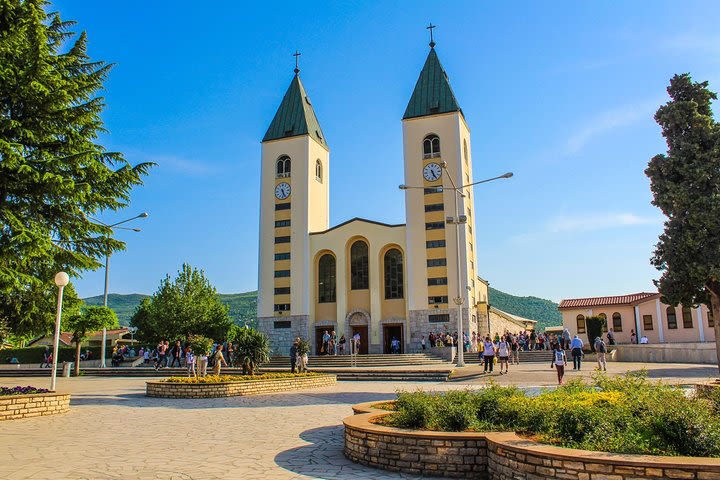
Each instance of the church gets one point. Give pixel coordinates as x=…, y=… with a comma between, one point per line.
x=361, y=276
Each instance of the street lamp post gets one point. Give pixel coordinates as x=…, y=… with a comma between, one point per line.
x=107, y=277
x=458, y=220
x=61, y=280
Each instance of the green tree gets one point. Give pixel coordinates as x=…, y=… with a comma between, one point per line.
x=54, y=173
x=181, y=307
x=686, y=186
x=87, y=321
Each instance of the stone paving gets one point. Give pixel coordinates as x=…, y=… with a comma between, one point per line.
x=114, y=432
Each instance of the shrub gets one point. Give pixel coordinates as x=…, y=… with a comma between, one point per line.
x=201, y=345
x=414, y=410
x=627, y=414
x=253, y=349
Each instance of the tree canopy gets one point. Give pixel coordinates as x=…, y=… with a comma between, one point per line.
x=685, y=182
x=87, y=321
x=181, y=307
x=55, y=175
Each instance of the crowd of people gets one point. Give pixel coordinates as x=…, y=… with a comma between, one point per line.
x=331, y=345
x=181, y=354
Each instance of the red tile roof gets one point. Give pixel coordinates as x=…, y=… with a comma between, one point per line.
x=602, y=301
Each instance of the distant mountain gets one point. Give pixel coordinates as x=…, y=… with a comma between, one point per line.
x=243, y=306
x=534, y=308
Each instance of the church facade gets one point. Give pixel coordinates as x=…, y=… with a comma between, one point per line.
x=379, y=280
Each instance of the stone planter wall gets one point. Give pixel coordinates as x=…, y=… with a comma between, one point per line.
x=501, y=455
x=23, y=406
x=163, y=389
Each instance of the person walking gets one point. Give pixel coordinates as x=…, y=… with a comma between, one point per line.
x=46, y=355
x=202, y=364
x=161, y=349
x=503, y=352
x=559, y=361
x=422, y=342
x=176, y=354
x=488, y=355
x=218, y=360
x=600, y=350
x=514, y=351
x=576, y=347
x=190, y=362
x=293, y=356
x=633, y=336
x=565, y=339
x=230, y=353
x=611, y=337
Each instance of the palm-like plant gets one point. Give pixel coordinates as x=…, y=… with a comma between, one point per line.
x=253, y=349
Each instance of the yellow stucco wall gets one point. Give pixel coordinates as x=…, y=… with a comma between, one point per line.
x=337, y=241
x=660, y=332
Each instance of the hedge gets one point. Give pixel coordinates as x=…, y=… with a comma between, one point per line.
x=31, y=355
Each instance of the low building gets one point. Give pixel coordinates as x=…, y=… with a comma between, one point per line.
x=120, y=336
x=643, y=313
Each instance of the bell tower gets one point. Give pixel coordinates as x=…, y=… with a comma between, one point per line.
x=441, y=255
x=294, y=201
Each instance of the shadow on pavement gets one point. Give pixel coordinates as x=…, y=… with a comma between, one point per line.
x=290, y=399
x=693, y=374
x=323, y=458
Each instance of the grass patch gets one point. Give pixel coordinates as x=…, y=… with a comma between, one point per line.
x=239, y=378
x=627, y=414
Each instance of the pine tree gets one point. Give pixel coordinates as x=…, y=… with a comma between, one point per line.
x=54, y=173
x=686, y=186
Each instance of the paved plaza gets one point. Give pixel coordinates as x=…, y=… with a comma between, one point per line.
x=114, y=432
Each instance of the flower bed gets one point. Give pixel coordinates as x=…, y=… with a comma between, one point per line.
x=629, y=415
x=231, y=385
x=21, y=390
x=23, y=402
x=499, y=455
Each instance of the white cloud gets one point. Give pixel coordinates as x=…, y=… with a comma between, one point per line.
x=177, y=164
x=598, y=221
x=609, y=120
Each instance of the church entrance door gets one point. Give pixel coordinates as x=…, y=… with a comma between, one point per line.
x=364, y=340
x=390, y=332
x=319, y=332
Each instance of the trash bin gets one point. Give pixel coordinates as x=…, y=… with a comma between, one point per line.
x=66, y=369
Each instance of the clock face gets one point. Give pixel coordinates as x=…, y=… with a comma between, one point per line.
x=432, y=172
x=282, y=191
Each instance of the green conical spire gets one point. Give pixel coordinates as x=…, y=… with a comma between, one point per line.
x=432, y=94
x=295, y=116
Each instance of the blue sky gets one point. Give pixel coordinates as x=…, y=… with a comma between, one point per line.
x=560, y=93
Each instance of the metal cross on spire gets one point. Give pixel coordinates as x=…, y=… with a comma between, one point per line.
x=297, y=56
x=431, y=27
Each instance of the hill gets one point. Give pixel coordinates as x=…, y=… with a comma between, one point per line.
x=242, y=306
x=534, y=308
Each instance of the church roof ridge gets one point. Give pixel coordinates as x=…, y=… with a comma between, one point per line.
x=359, y=219
x=432, y=94
x=295, y=116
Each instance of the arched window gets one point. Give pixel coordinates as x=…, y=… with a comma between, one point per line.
x=580, y=324
x=359, y=276
x=282, y=169
x=326, y=279
x=465, y=150
x=431, y=146
x=318, y=170
x=687, y=317
x=617, y=322
x=671, y=318
x=393, y=263
x=604, y=322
